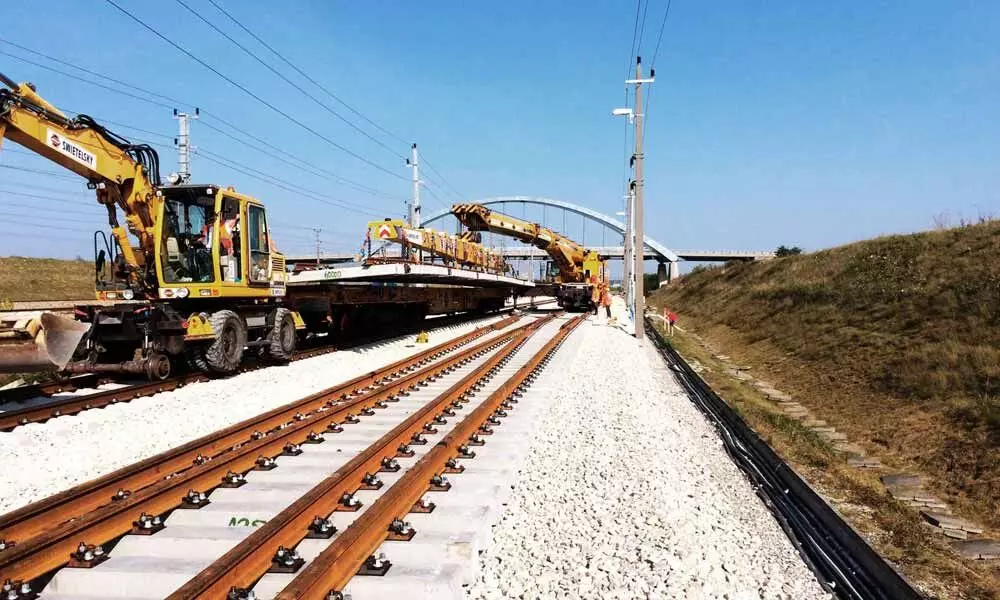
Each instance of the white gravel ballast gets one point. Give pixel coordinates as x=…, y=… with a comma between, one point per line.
x=627, y=492
x=41, y=459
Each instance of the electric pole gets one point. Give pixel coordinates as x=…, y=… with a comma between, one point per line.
x=639, y=245
x=317, y=231
x=413, y=212
x=627, y=260
x=183, y=143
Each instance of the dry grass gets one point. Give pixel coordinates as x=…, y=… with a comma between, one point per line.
x=895, y=341
x=23, y=279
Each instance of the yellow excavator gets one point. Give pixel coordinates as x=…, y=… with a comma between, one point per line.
x=579, y=269
x=191, y=274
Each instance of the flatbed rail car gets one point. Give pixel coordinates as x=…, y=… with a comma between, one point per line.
x=340, y=300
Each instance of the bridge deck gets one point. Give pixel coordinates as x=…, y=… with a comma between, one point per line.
x=530, y=252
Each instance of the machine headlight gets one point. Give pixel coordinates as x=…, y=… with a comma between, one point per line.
x=128, y=294
x=183, y=292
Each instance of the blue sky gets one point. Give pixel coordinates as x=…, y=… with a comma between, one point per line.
x=805, y=123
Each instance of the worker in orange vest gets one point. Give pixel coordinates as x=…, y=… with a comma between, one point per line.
x=227, y=233
x=595, y=293
x=671, y=318
x=606, y=299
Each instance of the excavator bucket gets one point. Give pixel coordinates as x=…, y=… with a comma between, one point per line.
x=44, y=342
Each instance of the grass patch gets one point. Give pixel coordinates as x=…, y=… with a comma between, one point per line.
x=37, y=279
x=895, y=341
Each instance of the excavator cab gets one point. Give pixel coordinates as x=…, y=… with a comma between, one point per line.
x=214, y=242
x=175, y=249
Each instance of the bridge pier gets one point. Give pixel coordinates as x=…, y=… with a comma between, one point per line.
x=665, y=274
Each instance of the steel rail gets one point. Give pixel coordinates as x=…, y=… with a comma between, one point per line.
x=48, y=388
x=328, y=573
x=39, y=516
x=41, y=412
x=51, y=548
x=842, y=560
x=252, y=558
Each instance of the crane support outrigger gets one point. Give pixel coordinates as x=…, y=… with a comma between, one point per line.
x=200, y=282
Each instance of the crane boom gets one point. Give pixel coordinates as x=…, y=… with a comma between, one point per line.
x=124, y=175
x=449, y=248
x=576, y=264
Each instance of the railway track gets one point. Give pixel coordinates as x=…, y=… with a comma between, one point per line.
x=353, y=396
x=44, y=411
x=48, y=532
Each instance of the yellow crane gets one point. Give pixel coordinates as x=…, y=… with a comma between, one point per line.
x=201, y=278
x=452, y=250
x=580, y=269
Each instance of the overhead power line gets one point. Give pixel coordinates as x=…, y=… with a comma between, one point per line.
x=306, y=75
x=40, y=188
x=22, y=223
x=78, y=78
x=94, y=73
x=287, y=80
x=327, y=91
x=659, y=38
x=635, y=31
x=440, y=177
x=279, y=183
x=79, y=202
x=40, y=171
x=253, y=95
x=296, y=162
x=430, y=191
x=656, y=52
x=342, y=203
x=35, y=208
x=642, y=28
x=175, y=103
x=285, y=224
x=132, y=127
x=20, y=216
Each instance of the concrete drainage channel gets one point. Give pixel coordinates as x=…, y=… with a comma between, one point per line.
x=843, y=562
x=295, y=517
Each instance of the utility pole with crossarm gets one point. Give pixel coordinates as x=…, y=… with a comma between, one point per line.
x=634, y=235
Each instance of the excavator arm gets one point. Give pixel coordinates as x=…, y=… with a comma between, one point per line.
x=124, y=175
x=568, y=256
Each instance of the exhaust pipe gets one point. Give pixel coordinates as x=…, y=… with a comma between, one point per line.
x=43, y=343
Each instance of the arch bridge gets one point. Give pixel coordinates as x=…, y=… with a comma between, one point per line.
x=653, y=249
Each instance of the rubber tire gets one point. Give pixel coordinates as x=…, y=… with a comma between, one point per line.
x=282, y=336
x=225, y=353
x=194, y=355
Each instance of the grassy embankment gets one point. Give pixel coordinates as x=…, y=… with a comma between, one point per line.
x=23, y=279
x=894, y=341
